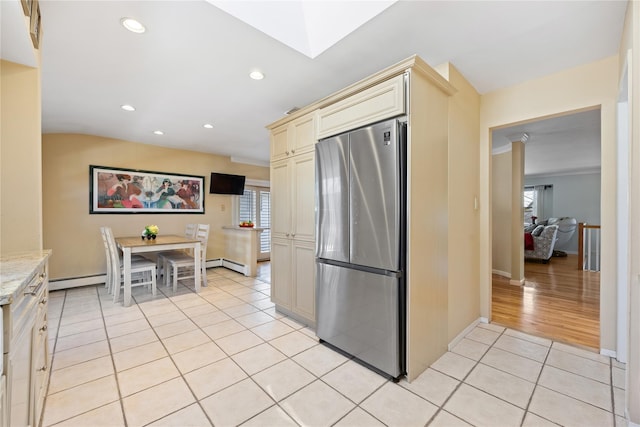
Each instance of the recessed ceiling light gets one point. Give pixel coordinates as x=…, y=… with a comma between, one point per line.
x=158, y=132
x=127, y=107
x=207, y=125
x=256, y=75
x=133, y=25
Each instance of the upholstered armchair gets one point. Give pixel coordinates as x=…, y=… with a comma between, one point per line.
x=544, y=239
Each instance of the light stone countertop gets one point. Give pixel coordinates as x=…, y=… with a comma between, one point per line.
x=237, y=227
x=17, y=270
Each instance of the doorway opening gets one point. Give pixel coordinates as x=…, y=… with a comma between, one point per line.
x=539, y=288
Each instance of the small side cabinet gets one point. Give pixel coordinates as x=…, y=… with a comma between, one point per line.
x=26, y=352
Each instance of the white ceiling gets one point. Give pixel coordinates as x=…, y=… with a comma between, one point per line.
x=191, y=66
x=564, y=144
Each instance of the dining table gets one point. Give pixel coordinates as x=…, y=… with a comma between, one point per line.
x=136, y=244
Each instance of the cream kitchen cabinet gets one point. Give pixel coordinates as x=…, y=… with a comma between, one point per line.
x=293, y=236
x=382, y=101
x=293, y=217
x=293, y=138
x=24, y=298
x=292, y=198
x=293, y=278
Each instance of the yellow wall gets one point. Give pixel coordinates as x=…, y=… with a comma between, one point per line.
x=20, y=159
x=501, y=218
x=463, y=287
x=581, y=87
x=73, y=233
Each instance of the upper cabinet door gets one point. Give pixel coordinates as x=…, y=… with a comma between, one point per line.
x=379, y=102
x=293, y=138
x=279, y=143
x=303, y=134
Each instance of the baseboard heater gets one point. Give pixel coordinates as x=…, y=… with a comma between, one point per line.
x=99, y=279
x=235, y=266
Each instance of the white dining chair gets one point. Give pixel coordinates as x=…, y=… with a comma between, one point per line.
x=108, y=283
x=182, y=266
x=143, y=271
x=189, y=233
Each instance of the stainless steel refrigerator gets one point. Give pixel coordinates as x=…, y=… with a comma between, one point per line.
x=360, y=249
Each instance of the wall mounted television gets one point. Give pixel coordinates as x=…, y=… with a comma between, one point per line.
x=222, y=183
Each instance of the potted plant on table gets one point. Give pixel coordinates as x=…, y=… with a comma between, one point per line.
x=150, y=232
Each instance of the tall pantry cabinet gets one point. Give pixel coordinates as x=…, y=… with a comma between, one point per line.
x=293, y=218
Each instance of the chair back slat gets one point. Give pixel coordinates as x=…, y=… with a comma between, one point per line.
x=190, y=231
x=202, y=234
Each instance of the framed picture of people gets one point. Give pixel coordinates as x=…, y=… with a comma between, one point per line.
x=115, y=191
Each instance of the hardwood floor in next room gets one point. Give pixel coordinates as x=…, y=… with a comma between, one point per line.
x=557, y=301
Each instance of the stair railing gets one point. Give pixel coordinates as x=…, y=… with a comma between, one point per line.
x=588, y=247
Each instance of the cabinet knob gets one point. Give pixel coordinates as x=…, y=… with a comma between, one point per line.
x=43, y=301
x=44, y=368
x=293, y=151
x=287, y=234
x=286, y=152
x=293, y=234
x=44, y=328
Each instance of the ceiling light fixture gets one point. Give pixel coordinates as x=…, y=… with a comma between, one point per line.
x=127, y=107
x=256, y=75
x=158, y=132
x=207, y=125
x=133, y=25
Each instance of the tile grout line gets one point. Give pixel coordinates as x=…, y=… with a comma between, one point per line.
x=535, y=387
x=113, y=363
x=462, y=381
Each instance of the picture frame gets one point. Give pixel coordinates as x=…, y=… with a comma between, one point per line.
x=26, y=7
x=132, y=191
x=35, y=27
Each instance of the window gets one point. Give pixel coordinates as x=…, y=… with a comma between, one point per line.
x=255, y=205
x=529, y=197
x=538, y=202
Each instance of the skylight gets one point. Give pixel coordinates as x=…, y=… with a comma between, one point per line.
x=308, y=26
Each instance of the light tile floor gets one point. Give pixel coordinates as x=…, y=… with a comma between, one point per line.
x=225, y=357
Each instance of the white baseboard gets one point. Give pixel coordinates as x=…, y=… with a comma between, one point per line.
x=76, y=282
x=214, y=263
x=609, y=353
x=516, y=282
x=484, y=320
x=629, y=423
x=502, y=273
x=464, y=332
x=99, y=279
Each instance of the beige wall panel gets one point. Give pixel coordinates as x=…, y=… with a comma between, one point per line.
x=427, y=263
x=517, y=213
x=20, y=157
x=501, y=218
x=464, y=121
x=74, y=235
x=581, y=87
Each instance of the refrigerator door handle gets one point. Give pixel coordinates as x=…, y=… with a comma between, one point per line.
x=367, y=269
